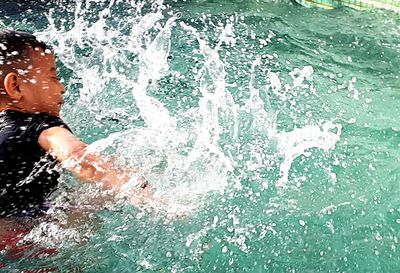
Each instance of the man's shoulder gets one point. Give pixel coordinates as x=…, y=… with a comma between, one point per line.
x=28, y=125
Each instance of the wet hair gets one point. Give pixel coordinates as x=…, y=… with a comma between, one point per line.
x=14, y=52
x=14, y=45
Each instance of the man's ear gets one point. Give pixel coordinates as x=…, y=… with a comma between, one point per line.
x=11, y=86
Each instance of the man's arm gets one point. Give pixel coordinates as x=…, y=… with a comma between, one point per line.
x=71, y=152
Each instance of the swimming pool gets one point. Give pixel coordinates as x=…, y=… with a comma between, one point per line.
x=269, y=130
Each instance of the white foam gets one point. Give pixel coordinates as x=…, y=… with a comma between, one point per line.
x=297, y=142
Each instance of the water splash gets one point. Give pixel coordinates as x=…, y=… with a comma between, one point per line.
x=153, y=66
x=182, y=165
x=299, y=141
x=230, y=132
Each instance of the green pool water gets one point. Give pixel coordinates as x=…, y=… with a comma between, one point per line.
x=269, y=131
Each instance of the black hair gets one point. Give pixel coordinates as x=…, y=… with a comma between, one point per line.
x=14, y=44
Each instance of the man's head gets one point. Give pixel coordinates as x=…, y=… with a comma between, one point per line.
x=28, y=75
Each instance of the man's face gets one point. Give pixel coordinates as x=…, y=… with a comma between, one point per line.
x=41, y=89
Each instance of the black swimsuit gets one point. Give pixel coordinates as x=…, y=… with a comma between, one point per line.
x=27, y=173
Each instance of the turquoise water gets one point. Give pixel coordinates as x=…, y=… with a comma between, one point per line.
x=269, y=131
